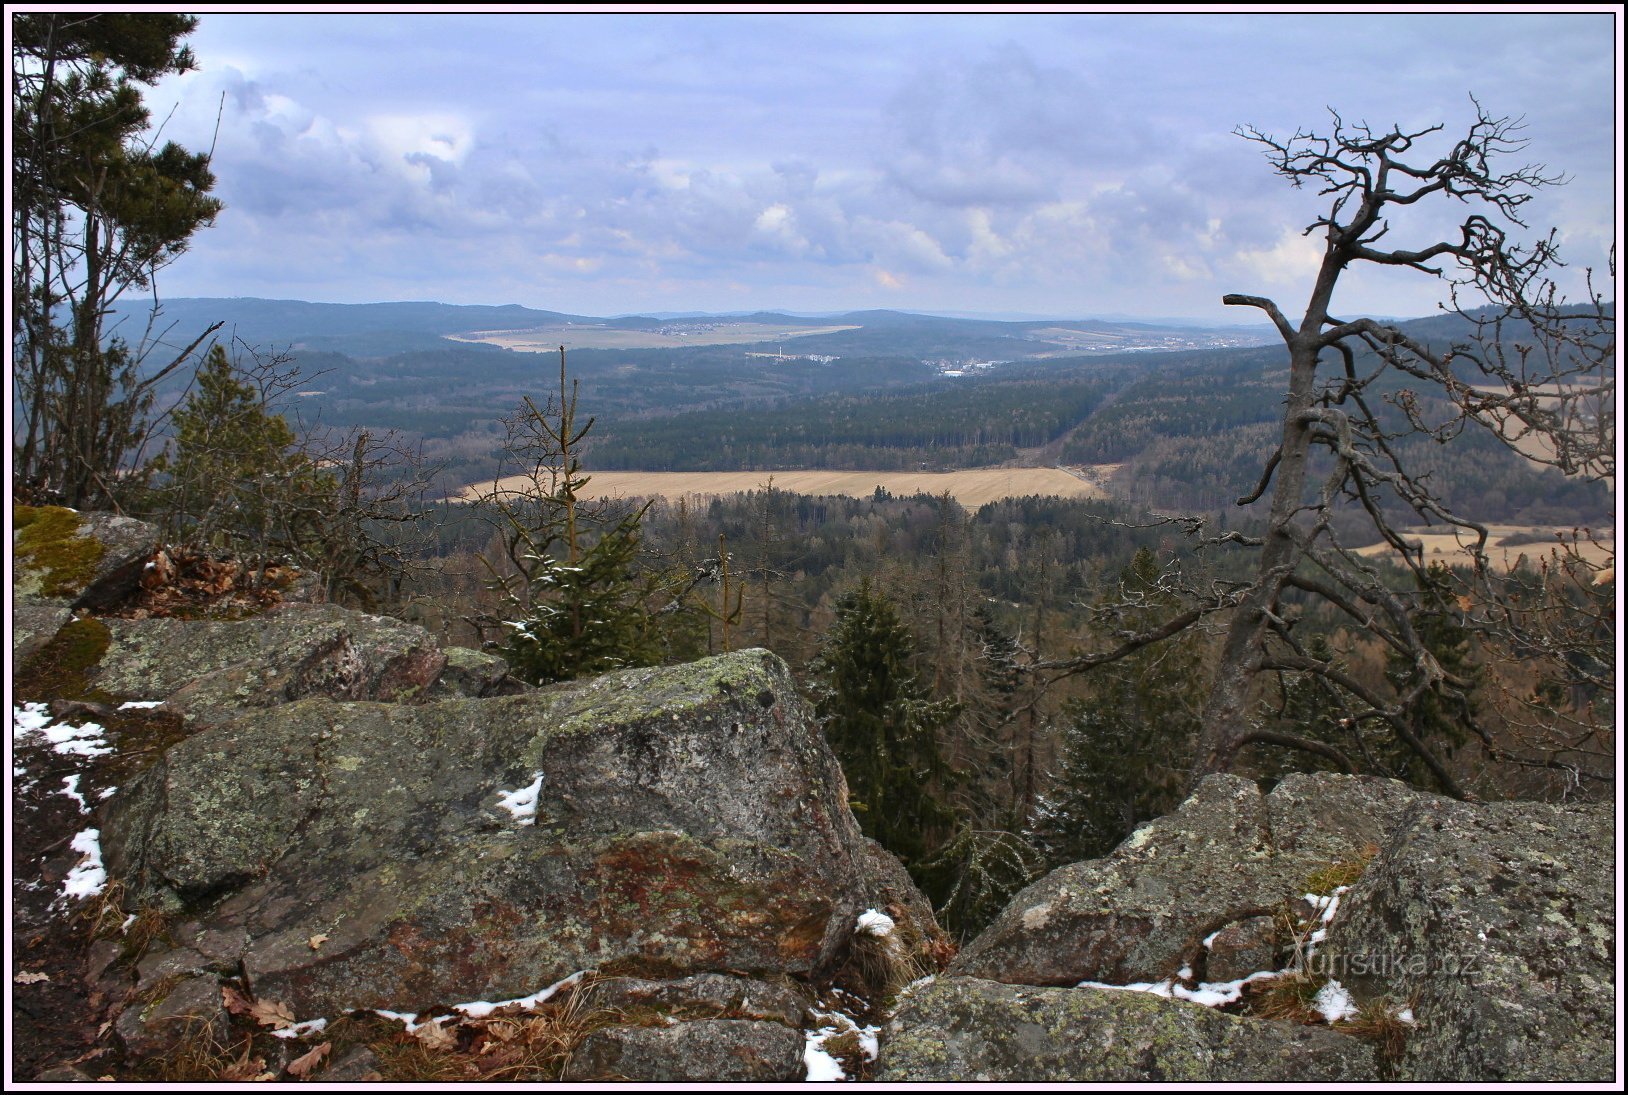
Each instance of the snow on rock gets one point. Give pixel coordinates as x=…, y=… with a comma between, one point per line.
x=89, y=878
x=140, y=705
x=822, y=1067
x=522, y=804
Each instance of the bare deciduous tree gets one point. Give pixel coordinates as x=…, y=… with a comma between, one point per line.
x=1534, y=370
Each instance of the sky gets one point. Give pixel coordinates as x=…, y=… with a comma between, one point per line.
x=1062, y=164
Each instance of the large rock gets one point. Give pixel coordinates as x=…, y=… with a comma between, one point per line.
x=961, y=1029
x=709, y=1050
x=212, y=670
x=80, y=559
x=1229, y=854
x=33, y=623
x=1497, y=924
x=688, y=819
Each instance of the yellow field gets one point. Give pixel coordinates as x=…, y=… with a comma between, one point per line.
x=1454, y=549
x=586, y=336
x=971, y=487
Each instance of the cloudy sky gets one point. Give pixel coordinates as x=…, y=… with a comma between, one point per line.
x=1061, y=164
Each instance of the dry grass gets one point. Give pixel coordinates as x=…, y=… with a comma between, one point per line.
x=1532, y=541
x=201, y=1057
x=1326, y=880
x=972, y=487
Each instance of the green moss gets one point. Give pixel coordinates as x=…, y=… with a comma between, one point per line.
x=61, y=669
x=52, y=561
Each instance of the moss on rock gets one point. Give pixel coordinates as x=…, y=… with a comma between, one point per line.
x=53, y=560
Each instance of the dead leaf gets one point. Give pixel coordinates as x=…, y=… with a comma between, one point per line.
x=301, y=1067
x=247, y=1068
x=234, y=1001
x=271, y=1013
x=317, y=941
x=432, y=1035
x=27, y=977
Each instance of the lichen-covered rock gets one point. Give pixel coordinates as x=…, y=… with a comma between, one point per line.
x=82, y=559
x=212, y=670
x=964, y=1029
x=651, y=823
x=717, y=1051
x=1497, y=924
x=475, y=674
x=33, y=622
x=1242, y=948
x=1142, y=913
x=1331, y=818
x=703, y=996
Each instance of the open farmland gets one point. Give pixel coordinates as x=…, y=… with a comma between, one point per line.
x=971, y=487
x=594, y=336
x=1448, y=546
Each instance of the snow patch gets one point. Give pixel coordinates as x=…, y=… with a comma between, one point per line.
x=522, y=804
x=480, y=1009
x=70, y=787
x=1333, y=1003
x=872, y=922
x=140, y=705
x=822, y=1067
x=300, y=1030
x=89, y=878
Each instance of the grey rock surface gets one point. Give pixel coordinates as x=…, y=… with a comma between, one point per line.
x=33, y=622
x=1498, y=924
x=964, y=1029
x=213, y=670
x=716, y=1051
x=687, y=820
x=1229, y=854
x=475, y=674
x=705, y=995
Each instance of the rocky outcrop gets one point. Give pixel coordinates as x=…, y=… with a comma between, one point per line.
x=1229, y=854
x=1497, y=924
x=1477, y=942
x=213, y=670
x=653, y=823
x=966, y=1029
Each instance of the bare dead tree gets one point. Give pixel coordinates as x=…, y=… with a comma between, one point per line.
x=1535, y=371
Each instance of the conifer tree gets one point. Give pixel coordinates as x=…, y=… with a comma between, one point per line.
x=577, y=603
x=883, y=727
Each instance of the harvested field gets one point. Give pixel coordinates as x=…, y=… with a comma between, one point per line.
x=583, y=336
x=972, y=487
x=1446, y=547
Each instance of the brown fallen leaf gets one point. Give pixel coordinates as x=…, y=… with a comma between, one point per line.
x=271, y=1013
x=317, y=940
x=432, y=1035
x=247, y=1068
x=234, y=1001
x=301, y=1067
x=27, y=977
